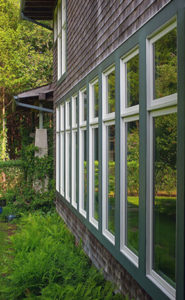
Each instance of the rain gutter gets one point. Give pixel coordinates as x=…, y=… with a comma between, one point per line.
x=42, y=109
x=35, y=22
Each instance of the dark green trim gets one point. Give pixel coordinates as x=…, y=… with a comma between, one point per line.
x=63, y=77
x=143, y=153
x=181, y=156
x=87, y=150
x=100, y=153
x=117, y=154
x=77, y=165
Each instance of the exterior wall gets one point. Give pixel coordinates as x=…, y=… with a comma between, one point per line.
x=104, y=26
x=96, y=28
x=100, y=257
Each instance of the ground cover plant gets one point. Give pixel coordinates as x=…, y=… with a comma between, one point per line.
x=48, y=265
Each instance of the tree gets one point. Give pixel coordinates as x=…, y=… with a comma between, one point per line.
x=25, y=58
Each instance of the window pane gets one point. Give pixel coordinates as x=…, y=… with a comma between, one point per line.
x=67, y=169
x=164, y=198
x=111, y=92
x=63, y=12
x=63, y=50
x=74, y=113
x=165, y=64
x=57, y=162
x=62, y=117
x=68, y=116
x=132, y=67
x=74, y=168
x=96, y=99
x=95, y=174
x=57, y=119
x=62, y=163
x=111, y=179
x=84, y=170
x=132, y=185
x=84, y=106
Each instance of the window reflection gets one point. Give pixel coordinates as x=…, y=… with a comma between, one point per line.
x=132, y=185
x=111, y=179
x=165, y=64
x=111, y=92
x=84, y=106
x=84, y=170
x=164, y=195
x=95, y=173
x=96, y=99
x=133, y=81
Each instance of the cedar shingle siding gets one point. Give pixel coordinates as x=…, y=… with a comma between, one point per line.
x=96, y=28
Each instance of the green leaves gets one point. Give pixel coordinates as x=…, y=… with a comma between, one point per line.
x=25, y=51
x=48, y=265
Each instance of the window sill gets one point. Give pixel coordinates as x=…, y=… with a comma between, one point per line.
x=62, y=78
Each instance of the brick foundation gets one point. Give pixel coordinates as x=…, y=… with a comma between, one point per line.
x=100, y=257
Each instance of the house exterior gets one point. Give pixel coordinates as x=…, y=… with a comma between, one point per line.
x=119, y=96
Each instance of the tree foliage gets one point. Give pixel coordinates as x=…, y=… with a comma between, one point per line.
x=25, y=51
x=25, y=58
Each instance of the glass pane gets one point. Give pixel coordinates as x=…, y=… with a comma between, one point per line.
x=74, y=168
x=67, y=154
x=62, y=163
x=63, y=50
x=111, y=179
x=96, y=99
x=132, y=185
x=84, y=170
x=165, y=64
x=164, y=198
x=68, y=116
x=74, y=111
x=132, y=67
x=57, y=119
x=62, y=117
x=84, y=106
x=111, y=92
x=95, y=174
x=57, y=161
x=63, y=12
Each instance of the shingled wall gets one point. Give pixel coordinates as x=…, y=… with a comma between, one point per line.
x=95, y=29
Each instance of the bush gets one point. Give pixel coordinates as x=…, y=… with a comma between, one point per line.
x=30, y=186
x=48, y=265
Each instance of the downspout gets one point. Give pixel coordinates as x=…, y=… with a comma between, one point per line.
x=35, y=22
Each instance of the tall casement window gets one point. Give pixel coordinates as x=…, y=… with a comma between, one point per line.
x=61, y=38
x=57, y=149
x=67, y=149
x=162, y=101
x=74, y=150
x=62, y=150
x=93, y=153
x=108, y=144
x=83, y=152
x=129, y=161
